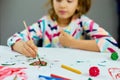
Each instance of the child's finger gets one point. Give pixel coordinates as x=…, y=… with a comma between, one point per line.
x=32, y=45
x=26, y=53
x=62, y=33
x=30, y=50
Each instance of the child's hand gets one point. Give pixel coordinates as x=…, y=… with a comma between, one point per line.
x=65, y=39
x=26, y=48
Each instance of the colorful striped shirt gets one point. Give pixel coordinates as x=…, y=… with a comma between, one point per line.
x=48, y=30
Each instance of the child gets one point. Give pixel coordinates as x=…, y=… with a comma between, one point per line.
x=64, y=26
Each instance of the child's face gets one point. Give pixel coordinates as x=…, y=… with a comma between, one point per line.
x=65, y=8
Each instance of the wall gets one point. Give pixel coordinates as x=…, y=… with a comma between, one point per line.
x=0, y=19
x=104, y=12
x=15, y=11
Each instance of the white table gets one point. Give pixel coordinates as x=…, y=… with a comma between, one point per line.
x=78, y=59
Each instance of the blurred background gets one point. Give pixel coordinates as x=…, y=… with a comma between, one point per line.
x=13, y=12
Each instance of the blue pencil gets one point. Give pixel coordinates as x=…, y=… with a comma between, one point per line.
x=43, y=77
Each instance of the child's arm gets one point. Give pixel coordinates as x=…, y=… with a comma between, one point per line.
x=68, y=41
x=104, y=41
x=101, y=40
x=21, y=43
x=89, y=45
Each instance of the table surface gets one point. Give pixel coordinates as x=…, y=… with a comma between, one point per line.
x=55, y=57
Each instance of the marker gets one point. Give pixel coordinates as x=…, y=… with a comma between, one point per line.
x=57, y=76
x=42, y=77
x=70, y=69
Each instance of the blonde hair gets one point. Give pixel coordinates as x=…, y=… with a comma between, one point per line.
x=83, y=8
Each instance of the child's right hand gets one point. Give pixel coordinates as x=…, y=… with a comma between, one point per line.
x=26, y=48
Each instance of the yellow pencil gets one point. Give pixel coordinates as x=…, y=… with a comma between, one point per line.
x=70, y=69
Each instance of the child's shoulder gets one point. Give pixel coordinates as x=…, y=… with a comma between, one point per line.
x=85, y=18
x=45, y=18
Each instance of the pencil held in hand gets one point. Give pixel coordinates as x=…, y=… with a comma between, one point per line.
x=38, y=57
x=25, y=25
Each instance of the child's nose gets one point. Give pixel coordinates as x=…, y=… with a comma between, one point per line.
x=63, y=4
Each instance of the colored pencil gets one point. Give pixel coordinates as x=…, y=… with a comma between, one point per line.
x=70, y=69
x=43, y=77
x=15, y=78
x=57, y=76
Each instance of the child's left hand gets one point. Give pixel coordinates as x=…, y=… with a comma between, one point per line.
x=65, y=39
